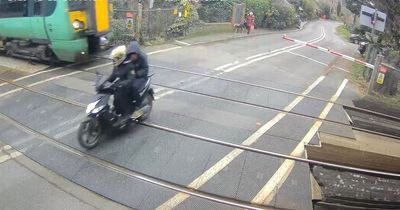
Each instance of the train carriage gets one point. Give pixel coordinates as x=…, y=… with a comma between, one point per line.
x=66, y=30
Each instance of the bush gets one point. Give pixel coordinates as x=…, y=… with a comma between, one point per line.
x=182, y=24
x=326, y=10
x=281, y=17
x=215, y=11
x=309, y=7
x=259, y=8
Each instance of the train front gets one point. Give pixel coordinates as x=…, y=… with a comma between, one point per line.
x=90, y=21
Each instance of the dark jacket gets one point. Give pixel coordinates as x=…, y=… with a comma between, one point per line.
x=140, y=66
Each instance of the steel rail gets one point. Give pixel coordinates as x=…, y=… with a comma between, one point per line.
x=134, y=174
x=243, y=147
x=274, y=89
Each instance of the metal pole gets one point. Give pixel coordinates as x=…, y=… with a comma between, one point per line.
x=372, y=81
x=139, y=21
x=369, y=49
x=368, y=57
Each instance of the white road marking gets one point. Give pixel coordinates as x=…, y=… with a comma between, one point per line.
x=268, y=192
x=31, y=75
x=220, y=68
x=342, y=69
x=184, y=43
x=5, y=147
x=273, y=51
x=324, y=64
x=221, y=164
x=40, y=82
x=66, y=132
x=311, y=59
x=10, y=92
x=226, y=65
x=53, y=78
x=9, y=156
x=37, y=73
x=4, y=158
x=164, y=50
x=273, y=54
x=98, y=66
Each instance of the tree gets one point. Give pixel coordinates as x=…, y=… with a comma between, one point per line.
x=259, y=8
x=309, y=7
x=355, y=7
x=339, y=9
x=392, y=29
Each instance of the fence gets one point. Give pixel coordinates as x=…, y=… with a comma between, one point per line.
x=156, y=22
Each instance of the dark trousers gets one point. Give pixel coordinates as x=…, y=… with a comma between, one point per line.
x=137, y=86
x=122, y=100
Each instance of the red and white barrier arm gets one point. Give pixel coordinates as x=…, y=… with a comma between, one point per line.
x=329, y=51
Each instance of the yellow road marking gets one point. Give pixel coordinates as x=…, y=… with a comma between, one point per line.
x=211, y=172
x=270, y=189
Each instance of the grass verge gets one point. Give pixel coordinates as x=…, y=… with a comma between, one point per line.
x=391, y=104
x=343, y=32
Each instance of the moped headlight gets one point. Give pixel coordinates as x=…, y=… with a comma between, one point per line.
x=91, y=107
x=97, y=110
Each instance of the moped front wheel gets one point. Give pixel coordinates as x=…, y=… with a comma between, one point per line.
x=89, y=133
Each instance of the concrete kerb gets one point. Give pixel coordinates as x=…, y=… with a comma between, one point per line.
x=75, y=190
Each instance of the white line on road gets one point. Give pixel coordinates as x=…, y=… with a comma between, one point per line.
x=226, y=65
x=31, y=75
x=5, y=147
x=222, y=163
x=164, y=50
x=324, y=64
x=268, y=192
x=37, y=73
x=220, y=68
x=273, y=51
x=40, y=82
x=342, y=69
x=9, y=156
x=278, y=52
x=184, y=43
x=311, y=59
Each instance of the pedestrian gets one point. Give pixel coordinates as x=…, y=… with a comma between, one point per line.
x=250, y=22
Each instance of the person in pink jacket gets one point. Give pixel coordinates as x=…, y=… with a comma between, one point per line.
x=250, y=22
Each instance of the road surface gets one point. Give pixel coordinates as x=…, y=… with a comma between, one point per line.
x=219, y=170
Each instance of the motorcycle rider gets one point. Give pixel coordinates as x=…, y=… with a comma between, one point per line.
x=131, y=67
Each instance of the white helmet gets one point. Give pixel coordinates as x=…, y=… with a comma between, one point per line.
x=118, y=54
x=251, y=13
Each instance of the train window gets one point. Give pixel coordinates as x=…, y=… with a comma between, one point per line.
x=50, y=7
x=77, y=5
x=37, y=7
x=44, y=7
x=9, y=9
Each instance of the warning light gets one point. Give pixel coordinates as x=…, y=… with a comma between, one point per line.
x=129, y=14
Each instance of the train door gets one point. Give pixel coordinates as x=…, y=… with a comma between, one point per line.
x=35, y=10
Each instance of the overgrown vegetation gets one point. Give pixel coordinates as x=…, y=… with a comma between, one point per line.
x=281, y=17
x=215, y=11
x=260, y=8
x=344, y=31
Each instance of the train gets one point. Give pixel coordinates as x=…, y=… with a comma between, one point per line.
x=54, y=30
